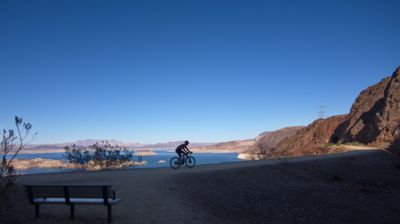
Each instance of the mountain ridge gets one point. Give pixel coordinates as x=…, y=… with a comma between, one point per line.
x=373, y=120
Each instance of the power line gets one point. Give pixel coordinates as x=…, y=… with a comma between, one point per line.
x=322, y=112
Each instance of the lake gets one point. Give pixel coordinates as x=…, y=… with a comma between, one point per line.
x=152, y=161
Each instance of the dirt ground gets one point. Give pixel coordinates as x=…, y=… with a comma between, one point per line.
x=354, y=187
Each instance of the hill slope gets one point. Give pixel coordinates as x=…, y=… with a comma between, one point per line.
x=375, y=115
x=309, y=140
x=374, y=119
x=273, y=138
x=270, y=138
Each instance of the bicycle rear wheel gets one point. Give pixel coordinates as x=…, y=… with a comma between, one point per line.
x=190, y=162
x=174, y=163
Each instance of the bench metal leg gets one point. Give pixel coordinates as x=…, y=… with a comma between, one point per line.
x=36, y=210
x=72, y=211
x=109, y=217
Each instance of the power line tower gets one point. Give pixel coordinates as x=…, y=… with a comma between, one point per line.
x=322, y=112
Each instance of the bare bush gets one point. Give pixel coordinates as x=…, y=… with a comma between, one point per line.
x=13, y=141
x=108, y=156
x=100, y=155
x=79, y=156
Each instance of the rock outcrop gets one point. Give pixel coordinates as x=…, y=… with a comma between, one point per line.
x=273, y=138
x=266, y=141
x=310, y=139
x=374, y=118
x=230, y=146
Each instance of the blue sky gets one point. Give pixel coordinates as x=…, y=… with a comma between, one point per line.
x=154, y=71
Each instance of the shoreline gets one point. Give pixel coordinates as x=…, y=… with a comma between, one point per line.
x=332, y=150
x=40, y=163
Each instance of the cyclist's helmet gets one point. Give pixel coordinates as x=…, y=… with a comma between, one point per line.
x=187, y=142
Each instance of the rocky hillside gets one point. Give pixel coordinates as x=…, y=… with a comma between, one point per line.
x=310, y=139
x=375, y=115
x=374, y=119
x=270, y=138
x=172, y=145
x=230, y=146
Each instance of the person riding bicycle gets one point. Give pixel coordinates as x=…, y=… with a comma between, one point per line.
x=182, y=149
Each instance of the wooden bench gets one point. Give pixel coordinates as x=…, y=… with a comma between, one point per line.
x=71, y=195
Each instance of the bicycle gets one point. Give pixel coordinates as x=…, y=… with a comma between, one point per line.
x=186, y=159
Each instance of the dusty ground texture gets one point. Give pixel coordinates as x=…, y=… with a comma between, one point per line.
x=356, y=187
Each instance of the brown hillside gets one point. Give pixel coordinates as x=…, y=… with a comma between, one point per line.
x=270, y=138
x=374, y=117
x=274, y=137
x=235, y=146
x=310, y=139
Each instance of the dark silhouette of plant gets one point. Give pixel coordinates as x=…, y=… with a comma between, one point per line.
x=100, y=155
x=108, y=156
x=12, y=142
x=79, y=156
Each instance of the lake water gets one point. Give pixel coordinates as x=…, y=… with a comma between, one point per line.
x=152, y=161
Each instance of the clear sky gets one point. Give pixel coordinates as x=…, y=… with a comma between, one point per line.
x=207, y=71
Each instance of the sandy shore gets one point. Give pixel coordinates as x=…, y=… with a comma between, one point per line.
x=354, y=187
x=331, y=150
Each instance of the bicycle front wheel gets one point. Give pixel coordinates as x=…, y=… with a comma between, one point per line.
x=174, y=163
x=190, y=162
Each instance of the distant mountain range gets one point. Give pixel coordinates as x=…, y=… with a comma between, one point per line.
x=86, y=142
x=89, y=142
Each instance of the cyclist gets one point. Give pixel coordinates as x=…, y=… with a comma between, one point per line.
x=181, y=149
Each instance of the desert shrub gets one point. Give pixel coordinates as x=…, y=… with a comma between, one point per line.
x=79, y=156
x=107, y=156
x=330, y=144
x=100, y=155
x=355, y=143
x=12, y=142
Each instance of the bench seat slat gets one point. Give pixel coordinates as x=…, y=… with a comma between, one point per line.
x=89, y=201
x=49, y=200
x=69, y=185
x=93, y=201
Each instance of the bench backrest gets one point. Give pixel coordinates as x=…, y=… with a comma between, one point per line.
x=43, y=191
x=89, y=191
x=69, y=191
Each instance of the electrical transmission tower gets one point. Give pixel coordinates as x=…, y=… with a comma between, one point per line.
x=322, y=112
